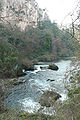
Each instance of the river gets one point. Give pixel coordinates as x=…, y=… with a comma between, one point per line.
x=26, y=96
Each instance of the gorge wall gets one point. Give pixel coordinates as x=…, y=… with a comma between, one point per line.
x=22, y=13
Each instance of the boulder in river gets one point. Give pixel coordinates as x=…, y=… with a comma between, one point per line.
x=48, y=98
x=43, y=68
x=50, y=80
x=53, y=67
x=20, y=72
x=24, y=65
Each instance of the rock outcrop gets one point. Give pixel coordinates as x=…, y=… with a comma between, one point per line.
x=48, y=98
x=23, y=13
x=53, y=67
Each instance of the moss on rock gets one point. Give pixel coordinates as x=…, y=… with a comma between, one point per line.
x=48, y=98
x=53, y=67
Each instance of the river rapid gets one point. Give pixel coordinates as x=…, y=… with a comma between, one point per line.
x=26, y=96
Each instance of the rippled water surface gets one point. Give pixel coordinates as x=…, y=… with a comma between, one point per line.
x=27, y=95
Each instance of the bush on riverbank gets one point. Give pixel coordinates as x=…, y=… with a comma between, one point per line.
x=46, y=43
x=8, y=60
x=21, y=115
x=70, y=109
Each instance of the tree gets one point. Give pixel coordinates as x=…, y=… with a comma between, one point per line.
x=8, y=60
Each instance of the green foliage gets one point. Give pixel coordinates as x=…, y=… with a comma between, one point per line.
x=70, y=42
x=21, y=115
x=8, y=58
x=45, y=25
x=56, y=30
x=47, y=42
x=73, y=92
x=70, y=109
x=0, y=6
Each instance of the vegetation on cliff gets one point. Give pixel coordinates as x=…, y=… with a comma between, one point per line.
x=45, y=43
x=22, y=49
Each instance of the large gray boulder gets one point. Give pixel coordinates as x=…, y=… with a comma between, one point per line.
x=48, y=98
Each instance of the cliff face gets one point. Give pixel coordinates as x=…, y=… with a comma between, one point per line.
x=23, y=13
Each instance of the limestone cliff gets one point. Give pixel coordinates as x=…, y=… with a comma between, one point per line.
x=23, y=13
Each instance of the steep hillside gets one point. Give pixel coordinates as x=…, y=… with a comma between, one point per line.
x=31, y=37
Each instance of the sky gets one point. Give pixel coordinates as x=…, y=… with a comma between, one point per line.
x=58, y=9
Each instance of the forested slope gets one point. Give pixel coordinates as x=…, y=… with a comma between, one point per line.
x=45, y=43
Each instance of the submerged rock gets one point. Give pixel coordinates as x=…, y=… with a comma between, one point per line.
x=20, y=80
x=50, y=80
x=53, y=67
x=48, y=98
x=43, y=67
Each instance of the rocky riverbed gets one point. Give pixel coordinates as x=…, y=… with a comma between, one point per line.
x=30, y=92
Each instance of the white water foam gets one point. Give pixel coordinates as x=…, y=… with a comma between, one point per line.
x=29, y=105
x=38, y=83
x=48, y=110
